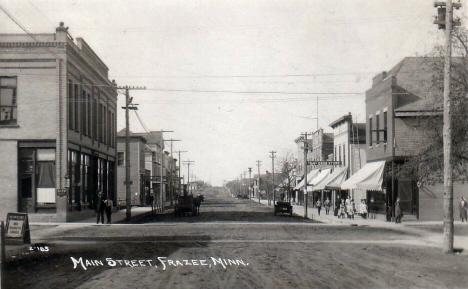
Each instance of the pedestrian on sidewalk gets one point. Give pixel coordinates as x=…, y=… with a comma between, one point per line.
x=350, y=208
x=151, y=201
x=398, y=212
x=327, y=204
x=100, y=208
x=342, y=212
x=109, y=204
x=463, y=207
x=319, y=205
x=363, y=209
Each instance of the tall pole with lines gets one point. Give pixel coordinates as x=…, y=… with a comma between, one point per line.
x=273, y=173
x=127, y=147
x=258, y=184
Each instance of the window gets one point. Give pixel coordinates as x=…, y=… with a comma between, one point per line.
x=339, y=153
x=8, y=109
x=108, y=127
x=334, y=156
x=89, y=114
x=370, y=131
x=121, y=159
x=104, y=126
x=95, y=119
x=70, y=105
x=377, y=127
x=76, y=109
x=344, y=155
x=84, y=113
x=385, y=126
x=100, y=127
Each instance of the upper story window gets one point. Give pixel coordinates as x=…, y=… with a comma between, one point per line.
x=121, y=159
x=8, y=109
x=385, y=126
x=377, y=127
x=370, y=131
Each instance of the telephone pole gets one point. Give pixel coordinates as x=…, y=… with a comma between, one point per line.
x=258, y=184
x=188, y=171
x=273, y=173
x=128, y=106
x=161, y=191
x=180, y=164
x=250, y=182
x=306, y=149
x=445, y=21
x=171, y=187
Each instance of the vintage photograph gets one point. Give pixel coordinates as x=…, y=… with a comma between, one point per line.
x=233, y=144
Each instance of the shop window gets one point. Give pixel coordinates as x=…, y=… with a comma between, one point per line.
x=8, y=108
x=45, y=176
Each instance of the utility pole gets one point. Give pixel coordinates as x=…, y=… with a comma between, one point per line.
x=250, y=182
x=258, y=184
x=188, y=171
x=171, y=187
x=161, y=191
x=243, y=182
x=306, y=149
x=445, y=21
x=273, y=173
x=180, y=164
x=128, y=102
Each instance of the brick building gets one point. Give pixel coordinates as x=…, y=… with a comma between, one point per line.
x=57, y=123
x=393, y=105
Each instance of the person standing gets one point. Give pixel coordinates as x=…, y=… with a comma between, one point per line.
x=100, y=206
x=398, y=212
x=462, y=207
x=151, y=201
x=109, y=204
x=319, y=205
x=342, y=209
x=363, y=209
x=327, y=206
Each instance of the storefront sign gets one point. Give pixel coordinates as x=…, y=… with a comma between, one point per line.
x=323, y=163
x=17, y=229
x=62, y=192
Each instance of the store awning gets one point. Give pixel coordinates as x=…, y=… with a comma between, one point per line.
x=319, y=178
x=336, y=177
x=370, y=177
x=310, y=176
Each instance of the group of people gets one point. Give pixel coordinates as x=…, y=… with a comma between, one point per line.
x=346, y=208
x=104, y=205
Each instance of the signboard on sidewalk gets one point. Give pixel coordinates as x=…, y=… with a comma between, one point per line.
x=17, y=229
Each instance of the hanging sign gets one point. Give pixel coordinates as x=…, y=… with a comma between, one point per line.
x=17, y=229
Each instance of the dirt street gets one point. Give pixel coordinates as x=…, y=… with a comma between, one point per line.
x=235, y=244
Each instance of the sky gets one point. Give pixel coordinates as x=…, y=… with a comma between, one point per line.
x=235, y=80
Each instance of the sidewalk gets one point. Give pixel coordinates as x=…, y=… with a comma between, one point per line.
x=312, y=213
x=119, y=217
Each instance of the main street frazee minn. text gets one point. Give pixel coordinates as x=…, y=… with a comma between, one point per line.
x=161, y=262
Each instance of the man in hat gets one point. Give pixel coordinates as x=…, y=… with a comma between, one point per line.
x=101, y=207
